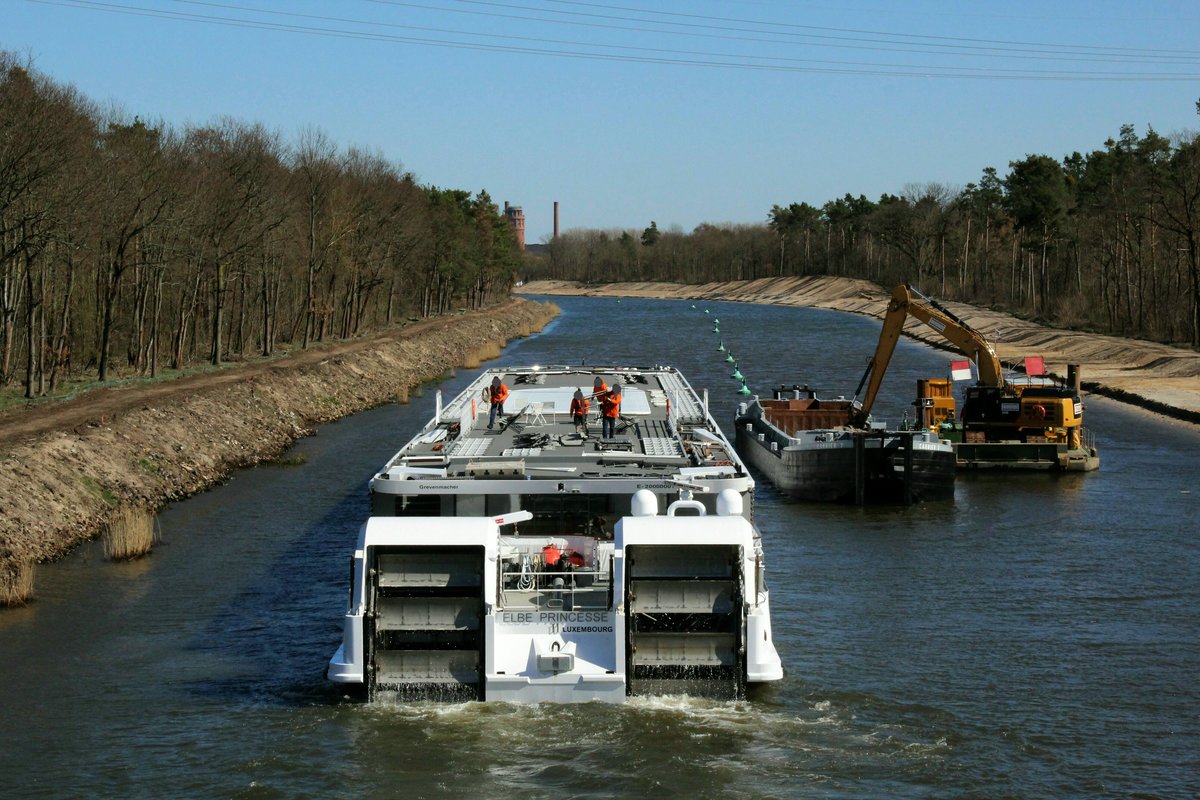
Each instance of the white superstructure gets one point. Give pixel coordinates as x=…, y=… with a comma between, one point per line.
x=528, y=562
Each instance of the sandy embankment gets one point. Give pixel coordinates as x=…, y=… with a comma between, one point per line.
x=1154, y=376
x=152, y=444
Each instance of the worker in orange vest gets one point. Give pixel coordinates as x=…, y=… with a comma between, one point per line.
x=610, y=410
x=579, y=410
x=497, y=394
x=599, y=387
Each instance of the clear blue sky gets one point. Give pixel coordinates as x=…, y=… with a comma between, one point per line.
x=616, y=109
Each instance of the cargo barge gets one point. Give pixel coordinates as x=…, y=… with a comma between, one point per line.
x=808, y=448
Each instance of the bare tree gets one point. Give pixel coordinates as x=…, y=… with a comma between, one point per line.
x=237, y=163
x=130, y=185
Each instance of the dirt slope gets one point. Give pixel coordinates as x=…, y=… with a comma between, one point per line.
x=64, y=467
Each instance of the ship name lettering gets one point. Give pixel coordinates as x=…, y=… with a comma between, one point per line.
x=555, y=618
x=573, y=616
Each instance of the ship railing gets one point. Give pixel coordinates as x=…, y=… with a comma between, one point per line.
x=575, y=589
x=682, y=406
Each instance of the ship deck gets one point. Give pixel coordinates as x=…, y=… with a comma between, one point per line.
x=663, y=428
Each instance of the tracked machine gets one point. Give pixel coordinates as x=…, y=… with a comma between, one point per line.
x=1020, y=423
x=531, y=562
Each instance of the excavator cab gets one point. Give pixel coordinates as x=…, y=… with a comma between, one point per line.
x=1044, y=413
x=990, y=414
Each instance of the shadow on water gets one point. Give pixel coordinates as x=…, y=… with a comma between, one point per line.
x=284, y=623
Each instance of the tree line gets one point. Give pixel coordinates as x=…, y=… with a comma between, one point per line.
x=1105, y=241
x=130, y=247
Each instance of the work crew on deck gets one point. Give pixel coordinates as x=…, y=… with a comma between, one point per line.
x=579, y=410
x=610, y=410
x=497, y=394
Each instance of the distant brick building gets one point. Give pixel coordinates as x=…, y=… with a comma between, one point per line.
x=516, y=218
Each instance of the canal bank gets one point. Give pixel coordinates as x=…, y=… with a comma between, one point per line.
x=66, y=468
x=1149, y=375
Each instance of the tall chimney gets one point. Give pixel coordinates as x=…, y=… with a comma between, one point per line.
x=555, y=219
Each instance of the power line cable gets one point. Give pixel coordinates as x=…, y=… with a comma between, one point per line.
x=693, y=30
x=820, y=67
x=655, y=50
x=1191, y=53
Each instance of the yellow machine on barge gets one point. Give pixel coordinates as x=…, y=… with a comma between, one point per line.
x=1004, y=424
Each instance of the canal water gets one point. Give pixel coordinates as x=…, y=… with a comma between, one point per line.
x=1038, y=637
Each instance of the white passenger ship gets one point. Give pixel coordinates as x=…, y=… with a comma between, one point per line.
x=530, y=562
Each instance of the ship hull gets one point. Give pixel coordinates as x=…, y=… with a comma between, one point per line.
x=829, y=474
x=842, y=464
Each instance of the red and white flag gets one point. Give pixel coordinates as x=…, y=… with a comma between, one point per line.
x=960, y=370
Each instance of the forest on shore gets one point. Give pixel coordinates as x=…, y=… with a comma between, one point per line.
x=128, y=247
x=1107, y=241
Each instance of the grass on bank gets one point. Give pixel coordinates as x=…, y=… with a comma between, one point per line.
x=130, y=534
x=16, y=583
x=99, y=491
x=485, y=352
x=14, y=396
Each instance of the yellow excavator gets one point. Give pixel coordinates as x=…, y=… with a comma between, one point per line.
x=1044, y=419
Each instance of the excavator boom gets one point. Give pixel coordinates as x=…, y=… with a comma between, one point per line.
x=905, y=302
